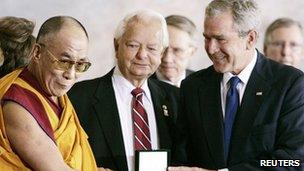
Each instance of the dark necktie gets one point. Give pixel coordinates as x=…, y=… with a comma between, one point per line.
x=232, y=104
x=142, y=140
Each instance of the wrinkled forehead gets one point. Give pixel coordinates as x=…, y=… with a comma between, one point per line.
x=143, y=33
x=69, y=44
x=148, y=24
x=68, y=35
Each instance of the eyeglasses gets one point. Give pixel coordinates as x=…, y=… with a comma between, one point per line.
x=67, y=64
x=177, y=51
x=292, y=45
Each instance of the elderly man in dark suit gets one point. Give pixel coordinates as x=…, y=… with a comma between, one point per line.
x=113, y=108
x=244, y=109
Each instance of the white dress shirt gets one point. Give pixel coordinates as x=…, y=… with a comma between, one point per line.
x=123, y=88
x=243, y=76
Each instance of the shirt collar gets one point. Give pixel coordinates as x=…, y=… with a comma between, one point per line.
x=244, y=74
x=127, y=87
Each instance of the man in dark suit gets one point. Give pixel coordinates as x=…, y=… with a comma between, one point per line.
x=105, y=105
x=245, y=112
x=182, y=46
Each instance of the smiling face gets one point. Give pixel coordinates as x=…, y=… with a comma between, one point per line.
x=68, y=44
x=176, y=58
x=139, y=50
x=286, y=45
x=227, y=50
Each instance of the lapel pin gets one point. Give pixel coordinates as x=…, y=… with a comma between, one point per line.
x=259, y=93
x=165, y=110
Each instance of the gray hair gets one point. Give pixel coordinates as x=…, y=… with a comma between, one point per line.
x=245, y=13
x=184, y=24
x=143, y=15
x=279, y=23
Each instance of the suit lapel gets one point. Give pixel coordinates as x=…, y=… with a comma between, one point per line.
x=257, y=89
x=212, y=116
x=107, y=113
x=159, y=100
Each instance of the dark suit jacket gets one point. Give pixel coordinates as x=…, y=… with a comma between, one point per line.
x=267, y=126
x=95, y=104
x=188, y=72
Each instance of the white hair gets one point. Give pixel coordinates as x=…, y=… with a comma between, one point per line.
x=143, y=15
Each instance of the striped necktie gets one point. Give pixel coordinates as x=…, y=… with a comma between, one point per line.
x=142, y=140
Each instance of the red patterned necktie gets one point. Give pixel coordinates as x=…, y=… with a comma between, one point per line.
x=142, y=140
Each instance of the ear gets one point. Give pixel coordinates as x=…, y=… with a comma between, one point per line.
x=265, y=49
x=252, y=37
x=36, y=52
x=164, y=51
x=193, y=49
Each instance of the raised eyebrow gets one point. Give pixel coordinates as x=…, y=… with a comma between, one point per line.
x=214, y=36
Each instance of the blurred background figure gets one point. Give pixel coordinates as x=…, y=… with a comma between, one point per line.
x=16, y=43
x=182, y=46
x=284, y=41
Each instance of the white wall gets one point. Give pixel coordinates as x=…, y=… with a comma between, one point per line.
x=100, y=17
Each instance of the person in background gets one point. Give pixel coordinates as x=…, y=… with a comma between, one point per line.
x=16, y=43
x=284, y=42
x=39, y=127
x=124, y=111
x=245, y=109
x=182, y=46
